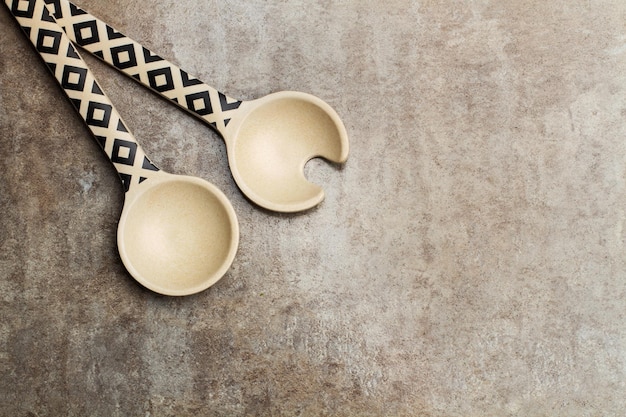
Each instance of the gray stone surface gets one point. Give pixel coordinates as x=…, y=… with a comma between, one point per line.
x=468, y=259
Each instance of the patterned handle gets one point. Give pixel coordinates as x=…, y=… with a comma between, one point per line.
x=83, y=91
x=143, y=65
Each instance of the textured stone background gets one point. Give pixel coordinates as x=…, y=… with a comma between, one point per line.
x=468, y=260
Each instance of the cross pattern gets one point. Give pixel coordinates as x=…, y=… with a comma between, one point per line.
x=144, y=66
x=82, y=89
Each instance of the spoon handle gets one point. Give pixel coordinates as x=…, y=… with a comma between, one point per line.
x=81, y=88
x=143, y=65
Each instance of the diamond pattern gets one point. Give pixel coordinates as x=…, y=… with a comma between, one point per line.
x=23, y=8
x=124, y=56
x=199, y=103
x=86, y=33
x=124, y=152
x=48, y=41
x=161, y=79
x=98, y=114
x=73, y=78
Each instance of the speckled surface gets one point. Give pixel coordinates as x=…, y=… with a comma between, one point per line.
x=468, y=259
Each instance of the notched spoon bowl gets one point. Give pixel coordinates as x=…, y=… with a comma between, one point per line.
x=270, y=141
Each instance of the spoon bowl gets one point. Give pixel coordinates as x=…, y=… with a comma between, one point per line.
x=177, y=235
x=270, y=140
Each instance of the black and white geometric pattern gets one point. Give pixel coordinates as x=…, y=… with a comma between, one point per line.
x=79, y=85
x=148, y=68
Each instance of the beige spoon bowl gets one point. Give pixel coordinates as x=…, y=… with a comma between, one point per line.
x=177, y=236
x=270, y=140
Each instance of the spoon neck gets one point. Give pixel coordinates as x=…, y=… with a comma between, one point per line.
x=223, y=110
x=131, y=162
